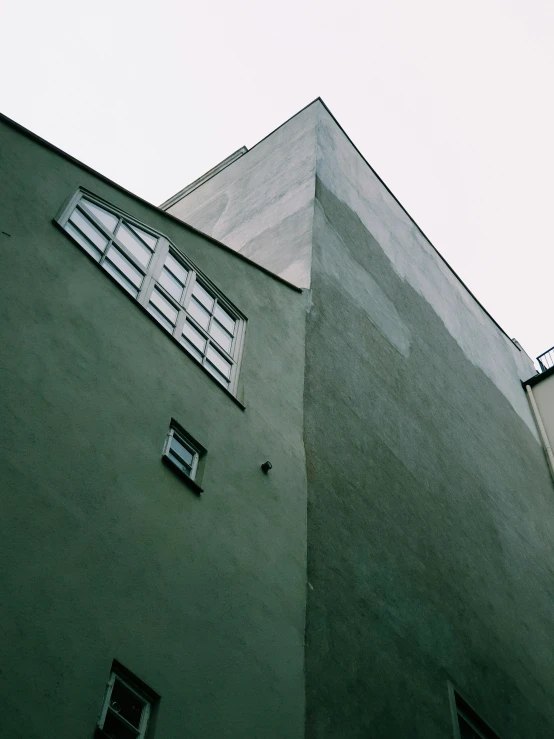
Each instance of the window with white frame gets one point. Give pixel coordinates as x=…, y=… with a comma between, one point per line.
x=149, y=267
x=182, y=453
x=185, y=455
x=126, y=709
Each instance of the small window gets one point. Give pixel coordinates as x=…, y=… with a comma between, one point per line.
x=127, y=707
x=149, y=267
x=469, y=725
x=185, y=455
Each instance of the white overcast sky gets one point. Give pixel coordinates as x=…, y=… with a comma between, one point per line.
x=450, y=102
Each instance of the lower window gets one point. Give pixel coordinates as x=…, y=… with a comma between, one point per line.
x=127, y=707
x=184, y=455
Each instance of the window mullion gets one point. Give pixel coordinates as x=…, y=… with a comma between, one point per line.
x=199, y=328
x=154, y=270
x=210, y=323
x=94, y=220
x=189, y=287
x=180, y=323
x=110, y=241
x=106, y=250
x=128, y=255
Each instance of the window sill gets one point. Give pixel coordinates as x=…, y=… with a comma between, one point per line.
x=185, y=478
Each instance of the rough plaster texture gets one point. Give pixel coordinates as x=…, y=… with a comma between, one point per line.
x=430, y=518
x=262, y=204
x=344, y=172
x=105, y=553
x=430, y=521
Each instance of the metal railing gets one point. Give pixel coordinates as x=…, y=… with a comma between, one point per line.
x=546, y=360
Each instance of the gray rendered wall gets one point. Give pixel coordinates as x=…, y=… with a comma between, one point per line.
x=105, y=553
x=262, y=204
x=431, y=510
x=430, y=506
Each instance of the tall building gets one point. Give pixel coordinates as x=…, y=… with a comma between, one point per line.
x=269, y=469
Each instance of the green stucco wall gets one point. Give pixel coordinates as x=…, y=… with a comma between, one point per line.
x=105, y=553
x=430, y=512
x=422, y=510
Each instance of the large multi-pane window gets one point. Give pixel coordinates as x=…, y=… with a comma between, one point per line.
x=149, y=267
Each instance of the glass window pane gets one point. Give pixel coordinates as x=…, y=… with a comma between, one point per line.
x=173, y=286
x=90, y=231
x=134, y=244
x=177, y=268
x=198, y=313
x=190, y=348
x=221, y=336
x=181, y=452
x=85, y=243
x=194, y=336
x=150, y=240
x=218, y=376
x=203, y=296
x=160, y=318
x=105, y=217
x=126, y=703
x=466, y=731
x=108, y=266
x=164, y=306
x=116, y=729
x=125, y=266
x=187, y=469
x=218, y=361
x=225, y=319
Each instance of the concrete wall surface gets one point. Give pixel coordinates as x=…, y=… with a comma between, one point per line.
x=105, y=552
x=430, y=506
x=262, y=204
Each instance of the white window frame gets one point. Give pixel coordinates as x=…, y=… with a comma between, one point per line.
x=175, y=433
x=106, y=708
x=151, y=275
x=194, y=479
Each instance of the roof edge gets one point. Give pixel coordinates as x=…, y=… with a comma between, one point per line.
x=60, y=152
x=387, y=188
x=535, y=379
x=204, y=178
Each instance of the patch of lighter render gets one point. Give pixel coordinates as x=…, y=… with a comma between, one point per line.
x=343, y=171
x=337, y=263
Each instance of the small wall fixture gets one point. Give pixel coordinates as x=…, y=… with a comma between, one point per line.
x=266, y=466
